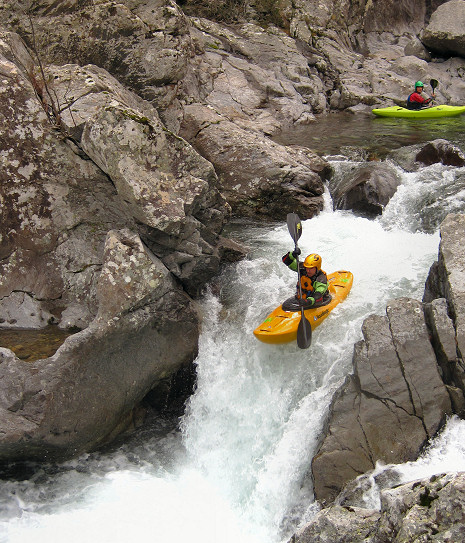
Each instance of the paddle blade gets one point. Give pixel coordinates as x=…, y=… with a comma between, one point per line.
x=434, y=83
x=295, y=226
x=304, y=333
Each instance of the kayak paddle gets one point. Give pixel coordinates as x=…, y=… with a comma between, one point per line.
x=434, y=83
x=304, y=330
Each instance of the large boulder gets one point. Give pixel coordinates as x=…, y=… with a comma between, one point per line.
x=259, y=177
x=146, y=45
x=56, y=211
x=452, y=274
x=445, y=31
x=82, y=396
x=439, y=151
x=367, y=190
x=394, y=402
x=259, y=78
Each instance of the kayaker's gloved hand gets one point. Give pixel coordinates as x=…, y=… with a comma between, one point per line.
x=310, y=300
x=296, y=252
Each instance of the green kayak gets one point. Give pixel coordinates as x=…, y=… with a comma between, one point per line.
x=426, y=113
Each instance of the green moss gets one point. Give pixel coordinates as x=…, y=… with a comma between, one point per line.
x=138, y=118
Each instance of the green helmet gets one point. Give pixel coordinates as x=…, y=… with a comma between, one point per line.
x=419, y=84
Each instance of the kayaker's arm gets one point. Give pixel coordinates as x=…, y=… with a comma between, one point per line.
x=321, y=288
x=290, y=260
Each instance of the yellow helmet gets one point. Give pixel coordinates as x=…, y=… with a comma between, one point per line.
x=313, y=261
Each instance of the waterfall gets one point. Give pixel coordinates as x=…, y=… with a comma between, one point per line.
x=238, y=470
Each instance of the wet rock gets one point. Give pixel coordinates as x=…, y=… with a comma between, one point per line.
x=452, y=274
x=441, y=151
x=367, y=190
x=423, y=510
x=413, y=157
x=390, y=407
x=338, y=524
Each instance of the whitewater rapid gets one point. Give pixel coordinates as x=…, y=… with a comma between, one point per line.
x=238, y=469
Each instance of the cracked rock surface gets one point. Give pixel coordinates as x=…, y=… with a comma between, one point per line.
x=392, y=404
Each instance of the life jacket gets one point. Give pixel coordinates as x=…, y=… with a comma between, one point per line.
x=307, y=284
x=415, y=104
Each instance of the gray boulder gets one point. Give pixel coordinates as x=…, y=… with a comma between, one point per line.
x=258, y=176
x=417, y=49
x=444, y=32
x=145, y=45
x=413, y=157
x=85, y=394
x=390, y=407
x=452, y=275
x=367, y=190
x=440, y=151
x=71, y=253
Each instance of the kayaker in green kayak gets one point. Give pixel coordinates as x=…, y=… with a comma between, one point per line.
x=313, y=279
x=416, y=100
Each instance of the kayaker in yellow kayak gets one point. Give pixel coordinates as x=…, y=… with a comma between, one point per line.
x=313, y=279
x=416, y=100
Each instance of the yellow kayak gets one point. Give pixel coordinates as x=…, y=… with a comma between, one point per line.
x=426, y=113
x=281, y=326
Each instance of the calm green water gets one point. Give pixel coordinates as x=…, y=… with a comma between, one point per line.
x=370, y=136
x=30, y=345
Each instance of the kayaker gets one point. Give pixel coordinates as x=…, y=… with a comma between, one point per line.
x=416, y=100
x=312, y=278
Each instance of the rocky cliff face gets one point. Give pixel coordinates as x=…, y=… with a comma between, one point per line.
x=109, y=223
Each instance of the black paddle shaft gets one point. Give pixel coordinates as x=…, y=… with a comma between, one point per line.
x=304, y=330
x=434, y=83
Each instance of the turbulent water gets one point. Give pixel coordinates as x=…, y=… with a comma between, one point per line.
x=237, y=470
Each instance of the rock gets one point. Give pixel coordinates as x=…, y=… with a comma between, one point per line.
x=144, y=45
x=425, y=510
x=367, y=190
x=443, y=336
x=81, y=92
x=444, y=32
x=79, y=398
x=441, y=151
x=167, y=187
x=390, y=407
x=256, y=74
x=338, y=525
x=452, y=275
x=71, y=253
x=417, y=49
x=56, y=211
x=430, y=508
x=259, y=177
x=413, y=157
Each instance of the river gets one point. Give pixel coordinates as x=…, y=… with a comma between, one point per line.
x=235, y=470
